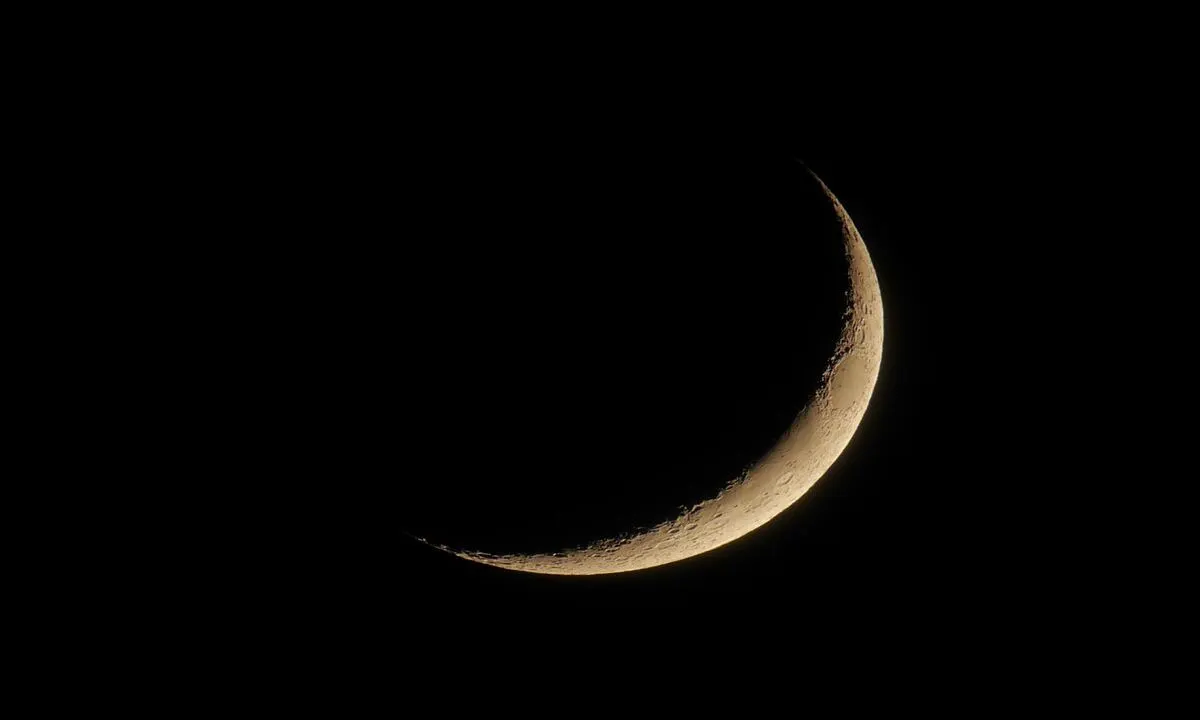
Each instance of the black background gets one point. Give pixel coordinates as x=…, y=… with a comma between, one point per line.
x=550, y=318
x=499, y=313
x=375, y=278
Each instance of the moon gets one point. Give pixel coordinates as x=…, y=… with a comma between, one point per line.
x=806, y=450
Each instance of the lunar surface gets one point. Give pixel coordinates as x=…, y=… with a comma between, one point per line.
x=778, y=479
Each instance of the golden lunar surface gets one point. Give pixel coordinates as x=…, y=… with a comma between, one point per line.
x=807, y=449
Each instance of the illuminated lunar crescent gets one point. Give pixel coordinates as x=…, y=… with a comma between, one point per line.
x=806, y=450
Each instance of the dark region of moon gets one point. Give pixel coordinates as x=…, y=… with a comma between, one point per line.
x=575, y=347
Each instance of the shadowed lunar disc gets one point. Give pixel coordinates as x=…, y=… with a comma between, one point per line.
x=811, y=444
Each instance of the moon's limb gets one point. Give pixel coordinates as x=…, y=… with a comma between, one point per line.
x=807, y=449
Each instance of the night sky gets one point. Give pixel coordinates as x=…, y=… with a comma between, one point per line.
x=541, y=329
x=566, y=337
x=517, y=293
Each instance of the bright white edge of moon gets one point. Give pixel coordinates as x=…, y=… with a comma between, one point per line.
x=807, y=449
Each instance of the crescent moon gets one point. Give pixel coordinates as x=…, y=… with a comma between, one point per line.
x=782, y=476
